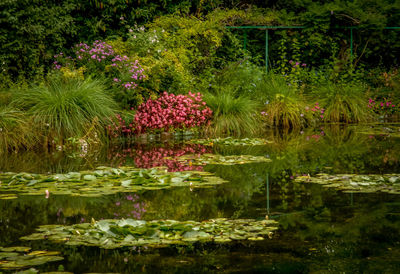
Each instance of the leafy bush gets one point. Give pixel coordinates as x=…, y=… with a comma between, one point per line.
x=100, y=59
x=67, y=107
x=232, y=115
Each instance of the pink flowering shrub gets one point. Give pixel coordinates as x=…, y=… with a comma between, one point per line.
x=170, y=112
x=101, y=59
x=384, y=106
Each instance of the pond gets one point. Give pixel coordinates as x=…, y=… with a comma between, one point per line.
x=255, y=205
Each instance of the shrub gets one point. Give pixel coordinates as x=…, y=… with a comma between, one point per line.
x=170, y=112
x=232, y=115
x=67, y=107
x=100, y=60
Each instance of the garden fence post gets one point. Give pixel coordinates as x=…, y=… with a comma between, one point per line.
x=244, y=39
x=267, y=193
x=266, y=50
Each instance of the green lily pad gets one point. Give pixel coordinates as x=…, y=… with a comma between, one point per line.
x=355, y=183
x=22, y=259
x=15, y=249
x=112, y=234
x=111, y=181
x=213, y=159
x=229, y=141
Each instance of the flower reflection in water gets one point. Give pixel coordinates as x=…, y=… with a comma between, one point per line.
x=129, y=206
x=149, y=157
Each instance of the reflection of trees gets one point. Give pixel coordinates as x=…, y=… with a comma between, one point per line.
x=19, y=217
x=54, y=162
x=343, y=232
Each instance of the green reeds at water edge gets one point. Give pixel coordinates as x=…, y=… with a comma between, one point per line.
x=344, y=103
x=15, y=129
x=64, y=108
x=233, y=115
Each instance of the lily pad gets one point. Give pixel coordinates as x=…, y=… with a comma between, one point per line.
x=20, y=258
x=214, y=159
x=15, y=249
x=112, y=234
x=355, y=183
x=229, y=141
x=111, y=181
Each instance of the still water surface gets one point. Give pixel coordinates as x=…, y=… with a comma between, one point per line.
x=321, y=230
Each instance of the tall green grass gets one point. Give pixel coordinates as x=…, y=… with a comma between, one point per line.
x=233, y=115
x=345, y=103
x=65, y=108
x=285, y=107
x=15, y=131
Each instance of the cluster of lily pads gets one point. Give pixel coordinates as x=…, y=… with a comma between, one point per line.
x=18, y=257
x=229, y=141
x=389, y=183
x=216, y=159
x=102, y=181
x=112, y=234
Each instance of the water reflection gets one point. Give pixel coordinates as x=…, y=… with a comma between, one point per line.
x=322, y=230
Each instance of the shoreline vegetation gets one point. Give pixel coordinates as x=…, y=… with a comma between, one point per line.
x=179, y=71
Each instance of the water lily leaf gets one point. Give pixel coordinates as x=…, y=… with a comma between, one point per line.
x=43, y=253
x=128, y=232
x=354, y=183
x=29, y=271
x=16, y=249
x=8, y=196
x=89, y=177
x=229, y=141
x=91, y=186
x=8, y=255
x=126, y=183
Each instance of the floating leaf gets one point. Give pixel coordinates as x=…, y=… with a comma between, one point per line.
x=213, y=159
x=229, y=141
x=129, y=232
x=19, y=259
x=354, y=183
x=124, y=179
x=16, y=249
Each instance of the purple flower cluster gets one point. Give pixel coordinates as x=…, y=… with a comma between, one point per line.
x=97, y=57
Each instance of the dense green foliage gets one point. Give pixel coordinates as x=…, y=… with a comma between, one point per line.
x=139, y=49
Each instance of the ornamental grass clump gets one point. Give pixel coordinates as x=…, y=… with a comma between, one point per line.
x=285, y=107
x=66, y=108
x=233, y=115
x=15, y=130
x=344, y=103
x=170, y=112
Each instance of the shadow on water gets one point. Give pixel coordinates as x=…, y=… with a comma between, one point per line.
x=321, y=230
